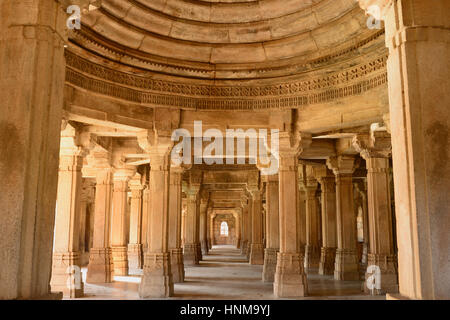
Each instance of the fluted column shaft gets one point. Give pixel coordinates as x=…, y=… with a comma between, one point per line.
x=66, y=275
x=100, y=268
x=273, y=229
x=346, y=262
x=175, y=214
x=312, y=248
x=290, y=278
x=191, y=243
x=256, y=247
x=135, y=253
x=329, y=239
x=381, y=238
x=157, y=281
x=119, y=225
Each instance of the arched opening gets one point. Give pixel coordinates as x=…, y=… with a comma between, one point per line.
x=224, y=229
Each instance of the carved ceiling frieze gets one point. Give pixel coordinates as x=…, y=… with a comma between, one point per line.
x=100, y=79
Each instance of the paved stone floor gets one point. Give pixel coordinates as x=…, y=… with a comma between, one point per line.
x=225, y=274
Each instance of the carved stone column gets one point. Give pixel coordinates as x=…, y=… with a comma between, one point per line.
x=301, y=211
x=346, y=262
x=118, y=221
x=32, y=70
x=245, y=226
x=238, y=218
x=290, y=278
x=202, y=222
x=329, y=240
x=256, y=247
x=175, y=215
x=157, y=280
x=375, y=149
x=273, y=228
x=146, y=202
x=208, y=229
x=100, y=268
x=312, y=248
x=135, y=261
x=417, y=35
x=191, y=243
x=66, y=275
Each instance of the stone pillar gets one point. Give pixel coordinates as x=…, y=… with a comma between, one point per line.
x=183, y=222
x=192, y=212
x=66, y=272
x=346, y=263
x=144, y=229
x=135, y=261
x=32, y=72
x=417, y=35
x=329, y=239
x=256, y=247
x=211, y=224
x=208, y=228
x=312, y=248
x=245, y=225
x=118, y=221
x=175, y=214
x=273, y=228
x=100, y=268
x=202, y=223
x=290, y=278
x=238, y=218
x=157, y=280
x=301, y=212
x=375, y=149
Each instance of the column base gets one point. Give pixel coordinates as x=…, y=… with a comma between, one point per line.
x=157, y=279
x=177, y=265
x=248, y=250
x=204, y=246
x=270, y=264
x=312, y=257
x=209, y=244
x=238, y=243
x=290, y=278
x=66, y=275
x=135, y=262
x=190, y=254
x=326, y=264
x=100, y=267
x=384, y=267
x=256, y=254
x=120, y=261
x=244, y=247
x=346, y=266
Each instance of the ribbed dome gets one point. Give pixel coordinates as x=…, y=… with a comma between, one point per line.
x=226, y=39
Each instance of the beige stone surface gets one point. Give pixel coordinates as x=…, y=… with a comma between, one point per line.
x=343, y=97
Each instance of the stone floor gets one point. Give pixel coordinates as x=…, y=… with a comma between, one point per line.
x=226, y=275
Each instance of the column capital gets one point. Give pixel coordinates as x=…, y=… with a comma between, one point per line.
x=342, y=165
x=123, y=174
x=291, y=146
x=158, y=147
x=377, y=144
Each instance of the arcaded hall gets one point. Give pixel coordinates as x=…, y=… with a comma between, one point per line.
x=225, y=149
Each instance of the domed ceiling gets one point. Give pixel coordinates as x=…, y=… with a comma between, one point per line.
x=223, y=43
